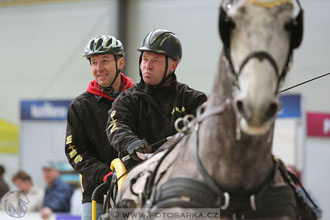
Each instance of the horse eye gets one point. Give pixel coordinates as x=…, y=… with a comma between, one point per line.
x=242, y=10
x=288, y=26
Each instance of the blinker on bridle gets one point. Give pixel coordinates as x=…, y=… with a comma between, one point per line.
x=295, y=27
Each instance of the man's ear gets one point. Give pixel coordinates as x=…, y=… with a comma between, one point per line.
x=121, y=63
x=173, y=65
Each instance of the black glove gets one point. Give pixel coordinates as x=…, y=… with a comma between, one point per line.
x=140, y=146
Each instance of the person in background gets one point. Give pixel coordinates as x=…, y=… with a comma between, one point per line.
x=86, y=146
x=33, y=193
x=3, y=185
x=57, y=194
x=145, y=114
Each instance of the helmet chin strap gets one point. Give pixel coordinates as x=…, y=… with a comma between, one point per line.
x=110, y=89
x=161, y=83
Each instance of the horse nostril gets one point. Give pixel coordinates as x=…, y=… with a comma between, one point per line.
x=271, y=111
x=240, y=105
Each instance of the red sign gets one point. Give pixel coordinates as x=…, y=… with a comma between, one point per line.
x=318, y=124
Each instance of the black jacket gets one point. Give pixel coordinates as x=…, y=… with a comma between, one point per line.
x=86, y=146
x=143, y=112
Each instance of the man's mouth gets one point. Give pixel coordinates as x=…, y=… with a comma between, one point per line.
x=102, y=75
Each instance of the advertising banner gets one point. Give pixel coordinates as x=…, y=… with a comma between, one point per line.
x=44, y=109
x=291, y=106
x=318, y=124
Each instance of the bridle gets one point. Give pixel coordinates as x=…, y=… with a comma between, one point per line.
x=295, y=27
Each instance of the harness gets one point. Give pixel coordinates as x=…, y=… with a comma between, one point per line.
x=269, y=201
x=264, y=202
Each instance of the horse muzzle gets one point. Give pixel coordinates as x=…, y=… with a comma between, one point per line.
x=256, y=118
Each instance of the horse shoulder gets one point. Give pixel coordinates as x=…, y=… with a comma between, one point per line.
x=141, y=173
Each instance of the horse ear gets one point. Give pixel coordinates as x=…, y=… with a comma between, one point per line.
x=225, y=26
x=297, y=30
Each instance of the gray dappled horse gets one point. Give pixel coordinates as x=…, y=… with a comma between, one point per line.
x=223, y=157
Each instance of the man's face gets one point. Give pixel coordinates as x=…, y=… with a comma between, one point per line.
x=23, y=185
x=103, y=67
x=50, y=175
x=153, y=67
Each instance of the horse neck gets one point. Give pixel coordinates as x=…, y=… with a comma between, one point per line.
x=232, y=163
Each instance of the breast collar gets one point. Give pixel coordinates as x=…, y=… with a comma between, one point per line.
x=268, y=201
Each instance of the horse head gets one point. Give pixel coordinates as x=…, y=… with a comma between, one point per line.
x=258, y=38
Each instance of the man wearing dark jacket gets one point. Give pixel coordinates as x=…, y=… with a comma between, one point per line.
x=86, y=146
x=146, y=113
x=57, y=194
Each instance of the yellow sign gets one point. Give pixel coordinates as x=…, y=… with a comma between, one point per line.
x=9, y=137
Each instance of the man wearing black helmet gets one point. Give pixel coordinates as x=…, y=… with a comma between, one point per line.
x=145, y=114
x=86, y=145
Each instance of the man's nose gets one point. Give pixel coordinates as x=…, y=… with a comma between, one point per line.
x=99, y=66
x=148, y=65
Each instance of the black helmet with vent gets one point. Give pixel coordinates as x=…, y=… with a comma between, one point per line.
x=163, y=42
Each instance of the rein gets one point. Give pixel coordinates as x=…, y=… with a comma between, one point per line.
x=209, y=181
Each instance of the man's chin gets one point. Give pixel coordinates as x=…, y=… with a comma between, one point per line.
x=103, y=83
x=149, y=81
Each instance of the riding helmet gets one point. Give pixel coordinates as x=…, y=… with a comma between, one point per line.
x=163, y=42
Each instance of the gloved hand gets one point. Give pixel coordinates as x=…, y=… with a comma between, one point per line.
x=108, y=177
x=140, y=146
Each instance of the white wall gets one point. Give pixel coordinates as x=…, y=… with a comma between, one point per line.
x=41, y=141
x=312, y=58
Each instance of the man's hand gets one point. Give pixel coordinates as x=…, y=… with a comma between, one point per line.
x=140, y=146
x=46, y=213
